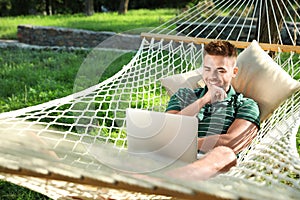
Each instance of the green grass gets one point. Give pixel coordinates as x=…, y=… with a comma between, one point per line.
x=30, y=77
x=111, y=21
x=9, y=191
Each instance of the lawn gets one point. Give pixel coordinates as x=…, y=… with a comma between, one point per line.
x=30, y=77
x=110, y=21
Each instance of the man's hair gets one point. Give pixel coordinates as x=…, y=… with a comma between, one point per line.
x=220, y=48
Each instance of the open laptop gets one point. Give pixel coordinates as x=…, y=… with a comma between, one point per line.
x=161, y=136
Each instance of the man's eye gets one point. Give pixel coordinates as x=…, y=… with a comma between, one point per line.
x=222, y=71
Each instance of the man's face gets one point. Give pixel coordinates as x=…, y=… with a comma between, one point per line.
x=218, y=71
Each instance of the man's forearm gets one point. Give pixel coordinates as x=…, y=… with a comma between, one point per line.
x=194, y=108
x=206, y=144
x=240, y=135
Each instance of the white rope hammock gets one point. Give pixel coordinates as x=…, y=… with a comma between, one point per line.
x=87, y=130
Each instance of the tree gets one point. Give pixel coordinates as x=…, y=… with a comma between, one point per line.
x=89, y=7
x=48, y=7
x=123, y=7
x=271, y=24
x=5, y=6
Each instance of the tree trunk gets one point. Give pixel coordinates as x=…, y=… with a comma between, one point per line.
x=271, y=23
x=123, y=7
x=49, y=7
x=89, y=7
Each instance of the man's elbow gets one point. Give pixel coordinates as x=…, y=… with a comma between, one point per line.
x=238, y=144
x=173, y=111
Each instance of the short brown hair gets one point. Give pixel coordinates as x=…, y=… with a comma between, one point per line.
x=220, y=48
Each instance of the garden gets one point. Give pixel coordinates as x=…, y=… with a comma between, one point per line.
x=33, y=76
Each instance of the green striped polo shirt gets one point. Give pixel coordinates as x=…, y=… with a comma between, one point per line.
x=217, y=117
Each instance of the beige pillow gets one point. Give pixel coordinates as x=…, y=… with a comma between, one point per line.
x=191, y=79
x=262, y=79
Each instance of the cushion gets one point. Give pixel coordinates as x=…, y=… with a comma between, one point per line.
x=191, y=79
x=262, y=79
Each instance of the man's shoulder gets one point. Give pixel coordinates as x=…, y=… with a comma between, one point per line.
x=245, y=100
x=247, y=105
x=248, y=109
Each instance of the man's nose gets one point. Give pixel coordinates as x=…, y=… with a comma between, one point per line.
x=214, y=75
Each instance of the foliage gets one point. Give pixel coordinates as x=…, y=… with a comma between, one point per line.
x=48, y=7
x=5, y=7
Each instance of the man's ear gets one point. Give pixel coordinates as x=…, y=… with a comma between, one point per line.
x=235, y=71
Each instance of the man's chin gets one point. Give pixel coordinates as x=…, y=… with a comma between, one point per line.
x=216, y=85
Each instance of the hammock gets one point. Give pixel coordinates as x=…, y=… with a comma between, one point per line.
x=75, y=147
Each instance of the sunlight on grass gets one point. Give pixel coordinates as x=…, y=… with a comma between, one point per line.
x=33, y=76
x=36, y=76
x=98, y=22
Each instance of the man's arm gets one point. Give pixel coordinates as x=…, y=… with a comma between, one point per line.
x=194, y=108
x=239, y=135
x=190, y=110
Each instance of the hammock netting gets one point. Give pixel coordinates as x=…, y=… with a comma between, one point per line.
x=76, y=146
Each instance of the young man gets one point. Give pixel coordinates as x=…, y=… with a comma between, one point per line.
x=228, y=121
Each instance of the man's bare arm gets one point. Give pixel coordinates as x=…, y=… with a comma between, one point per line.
x=239, y=135
x=214, y=94
x=192, y=109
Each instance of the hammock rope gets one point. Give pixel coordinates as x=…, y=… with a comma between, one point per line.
x=87, y=130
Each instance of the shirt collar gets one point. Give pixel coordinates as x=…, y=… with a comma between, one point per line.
x=231, y=92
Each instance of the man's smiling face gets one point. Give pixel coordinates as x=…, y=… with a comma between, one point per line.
x=219, y=71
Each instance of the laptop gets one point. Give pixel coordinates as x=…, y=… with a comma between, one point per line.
x=161, y=136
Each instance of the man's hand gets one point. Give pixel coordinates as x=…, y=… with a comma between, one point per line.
x=214, y=94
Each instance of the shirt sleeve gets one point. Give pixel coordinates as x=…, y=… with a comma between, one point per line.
x=249, y=111
x=182, y=98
